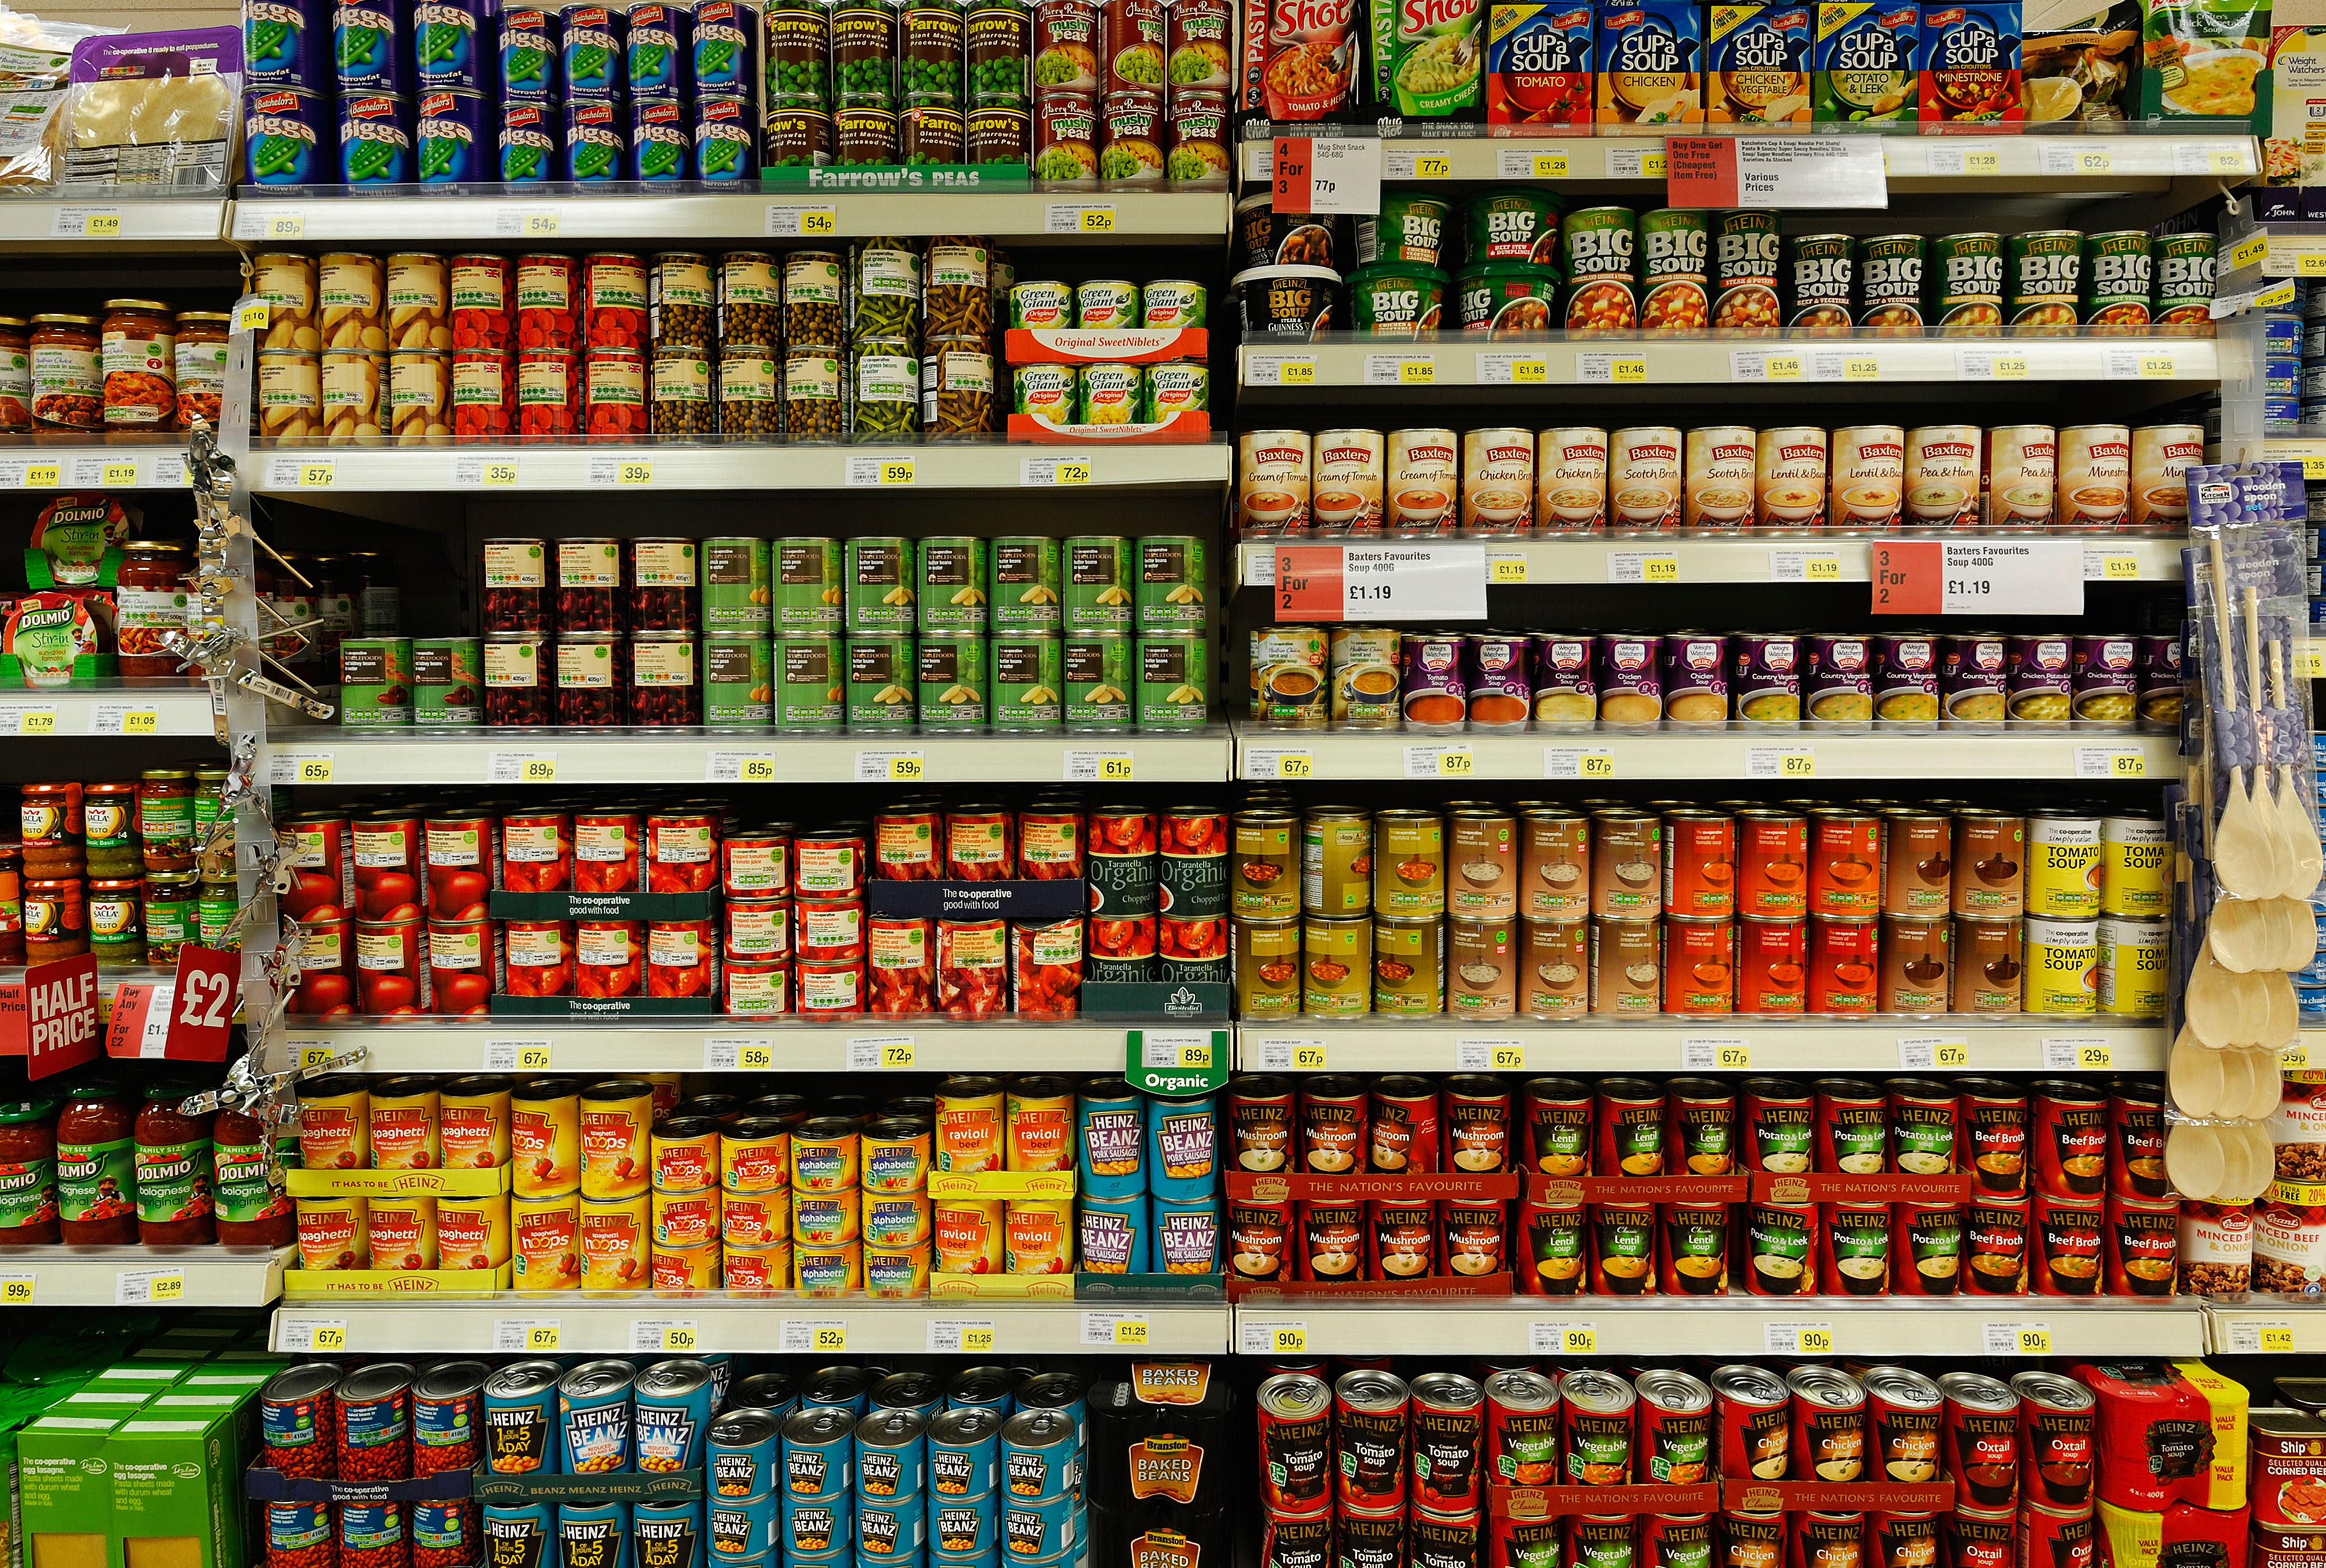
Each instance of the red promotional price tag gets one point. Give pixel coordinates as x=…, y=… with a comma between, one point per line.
x=1289, y=168
x=1907, y=576
x=203, y=1007
x=1309, y=583
x=1977, y=577
x=1702, y=171
x=60, y=1017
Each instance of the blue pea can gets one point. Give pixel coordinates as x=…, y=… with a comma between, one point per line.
x=448, y=44
x=819, y=1441
x=594, y=1535
x=891, y=1529
x=452, y=137
x=811, y=1529
x=725, y=146
x=590, y=51
x=743, y=1527
x=1110, y=1139
x=367, y=52
x=597, y=141
x=726, y=48
x=672, y=1416
x=661, y=50
x=966, y=1529
x=667, y=1534
x=1115, y=1234
x=964, y=1457
x=519, y=1533
x=286, y=136
x=594, y=1417
x=439, y=1528
x=662, y=139
x=1036, y=1527
x=526, y=42
x=1039, y=1455
x=532, y=136
x=1183, y=1148
x=287, y=44
x=746, y=1453
x=374, y=139
x=1188, y=1236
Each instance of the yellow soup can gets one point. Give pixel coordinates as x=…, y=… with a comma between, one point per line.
x=2136, y=860
x=2135, y=965
x=545, y=1140
x=617, y=1138
x=1039, y=1236
x=545, y=1242
x=897, y=1272
x=2064, y=866
x=2062, y=961
x=614, y=1243
x=827, y=1218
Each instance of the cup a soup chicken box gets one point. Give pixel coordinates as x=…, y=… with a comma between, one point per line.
x=1757, y=65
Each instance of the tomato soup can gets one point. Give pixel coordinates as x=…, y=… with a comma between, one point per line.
x=1296, y=1540
x=1445, y=1540
x=1295, y=1443
x=1771, y=965
x=1930, y=1250
x=1370, y=1427
x=1422, y=483
x=1844, y=965
x=1522, y=1428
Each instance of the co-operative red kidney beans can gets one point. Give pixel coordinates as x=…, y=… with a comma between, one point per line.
x=2057, y=1418
x=1905, y=1409
x=1779, y=1136
x=1558, y=1114
x=2144, y=1246
x=1930, y=1250
x=2136, y=1140
x=1827, y=1541
x=1982, y=1440
x=2068, y=1237
x=1829, y=1443
x=1403, y=1116
x=1630, y=1135
x=1297, y=1541
x=2058, y=1537
x=1295, y=1443
x=1370, y=1434
x=2069, y=1131
x=1901, y=1540
x=1522, y=1421
x=1450, y=1427
x=1981, y=1538
x=1752, y=1540
x=1476, y=1114
x=1995, y=1134
x=1674, y=1427
x=1595, y=1426
x=1674, y=1541
x=1852, y=1122
x=1753, y=1411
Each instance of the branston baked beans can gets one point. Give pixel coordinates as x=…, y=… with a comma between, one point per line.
x=1571, y=479
x=1348, y=489
x=1522, y=1428
x=1497, y=480
x=1790, y=477
x=1868, y=474
x=1829, y=1443
x=1272, y=487
x=1905, y=1409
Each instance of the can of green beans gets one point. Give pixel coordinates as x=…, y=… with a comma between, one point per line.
x=1172, y=583
x=1026, y=679
x=738, y=680
x=880, y=575
x=1097, y=666
x=448, y=680
x=950, y=682
x=955, y=584
x=737, y=595
x=811, y=669
x=1026, y=594
x=1175, y=681
x=879, y=684
x=1173, y=302
x=1100, y=569
x=807, y=586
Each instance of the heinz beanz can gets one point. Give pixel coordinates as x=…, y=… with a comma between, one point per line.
x=1110, y=1138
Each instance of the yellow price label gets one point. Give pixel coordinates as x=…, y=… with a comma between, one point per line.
x=757, y=770
x=2127, y=765
x=541, y=225
x=2094, y=160
x=1797, y=765
x=1660, y=569
x=1297, y=373
x=2091, y=1057
x=2156, y=367
x=2277, y=294
x=677, y=1340
x=533, y=1057
x=976, y=1339
x=497, y=473
x=1550, y=166
x=1977, y=163
x=2032, y=1343
x=1595, y=765
x=1416, y=372
x=1950, y=1056
x=1097, y=220
x=2313, y=466
x=542, y=1336
x=1295, y=765
x=1308, y=1058
x=121, y=473
x=2313, y=663
x=1432, y=166
x=1456, y=764
x=635, y=472
x=314, y=771
x=2011, y=368
x=897, y=1053
x=1654, y=166
x=170, y=1287
x=1631, y=371
x=905, y=769
x=326, y=1338
x=2226, y=163
x=1115, y=769
x=1130, y=1332
x=832, y=1336
x=1781, y=367
x=250, y=316
x=2120, y=568
x=285, y=226
x=43, y=722
x=820, y=221
x=42, y=475
x=1531, y=372
x=1288, y=1339
x=1068, y=473
x=2278, y=1341
x=2252, y=249
x=1733, y=1058
x=315, y=1055
x=315, y=476
x=2309, y=264
x=2294, y=1057
x=538, y=770
x=1816, y=1342
x=896, y=471
x=1195, y=1056
x=1580, y=1340
x=1861, y=369
x=1510, y=1059
x=756, y=1058
x=1507, y=569
x=143, y=722
x=102, y=226
x=16, y=1292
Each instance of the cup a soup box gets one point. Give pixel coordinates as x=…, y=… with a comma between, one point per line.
x=1757, y=65
x=1539, y=64
x=1865, y=63
x=1650, y=63
x=1970, y=64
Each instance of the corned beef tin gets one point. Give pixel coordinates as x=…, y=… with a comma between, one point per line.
x=2287, y=1451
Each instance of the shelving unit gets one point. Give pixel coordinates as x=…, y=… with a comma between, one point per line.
x=715, y=1043
x=106, y=221
x=159, y=1276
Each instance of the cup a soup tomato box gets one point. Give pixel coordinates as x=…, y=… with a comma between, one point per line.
x=2287, y=1450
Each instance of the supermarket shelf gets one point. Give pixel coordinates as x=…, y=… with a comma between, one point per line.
x=1645, y=368
x=1874, y=1045
x=2294, y=255
x=1727, y=1326
x=1730, y=753
x=1755, y=557
x=56, y=713
x=326, y=472
x=2271, y=1325
x=110, y=222
x=605, y=1324
x=2309, y=450
x=497, y=216
x=508, y=756
x=714, y=1043
x=114, y=1276
x=126, y=462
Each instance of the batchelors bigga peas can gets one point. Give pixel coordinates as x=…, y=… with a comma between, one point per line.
x=1180, y=387
x=1173, y=582
x=737, y=679
x=1100, y=570
x=737, y=592
x=811, y=670
x=1174, y=683
x=951, y=681
x=1026, y=583
x=375, y=681
x=1097, y=666
x=1173, y=302
x=807, y=585
x=954, y=583
x=1026, y=681
x=448, y=680
x=1514, y=225
x=2116, y=287
x=880, y=577
x=1966, y=285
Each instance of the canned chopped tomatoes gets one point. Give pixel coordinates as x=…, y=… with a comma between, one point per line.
x=973, y=967
x=907, y=844
x=389, y=858
x=756, y=989
x=463, y=960
x=325, y=963
x=830, y=930
x=390, y=977
x=608, y=960
x=902, y=971
x=683, y=851
x=979, y=845
x=1047, y=966
x=682, y=958
x=1122, y=830
x=759, y=930
x=539, y=959
x=828, y=865
x=756, y=864
x=831, y=989
x=606, y=851
x=1049, y=843
x=462, y=851
x=537, y=851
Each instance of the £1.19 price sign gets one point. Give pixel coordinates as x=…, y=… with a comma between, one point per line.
x=1977, y=577
x=1387, y=581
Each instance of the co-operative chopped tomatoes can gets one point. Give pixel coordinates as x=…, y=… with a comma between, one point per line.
x=537, y=851
x=606, y=847
x=907, y=843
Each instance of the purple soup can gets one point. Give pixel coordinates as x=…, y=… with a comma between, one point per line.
x=1501, y=679
x=455, y=138
x=287, y=44
x=2039, y=678
x=1631, y=685
x=1566, y=689
x=374, y=139
x=661, y=50
x=526, y=43
x=2156, y=677
x=1764, y=679
x=370, y=52
x=725, y=147
x=2103, y=681
x=1695, y=670
x=596, y=145
x=1433, y=694
x=1971, y=668
x=662, y=139
x=1837, y=681
x=589, y=50
x=530, y=138
x=449, y=39
x=1906, y=680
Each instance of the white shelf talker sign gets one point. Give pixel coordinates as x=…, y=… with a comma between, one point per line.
x=1810, y=172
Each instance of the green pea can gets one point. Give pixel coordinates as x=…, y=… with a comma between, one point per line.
x=1181, y=386
x=955, y=584
x=1098, y=680
x=736, y=594
x=811, y=671
x=2117, y=285
x=1100, y=569
x=1040, y=302
x=880, y=577
x=1174, y=681
x=1026, y=583
x=374, y=682
x=1518, y=225
x=448, y=680
x=1107, y=302
x=950, y=677
x=1173, y=584
x=880, y=674
x=1108, y=394
x=215, y=904
x=1043, y=392
x=1026, y=682
x=1966, y=285
x=739, y=684
x=2042, y=269
x=807, y=585
x=2184, y=265
x=1173, y=302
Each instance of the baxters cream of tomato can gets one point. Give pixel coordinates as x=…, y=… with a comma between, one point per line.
x=1346, y=495
x=1272, y=481
x=1419, y=494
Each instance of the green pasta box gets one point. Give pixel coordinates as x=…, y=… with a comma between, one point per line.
x=174, y=1489
x=2206, y=60
x=64, y=1483
x=152, y=1376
